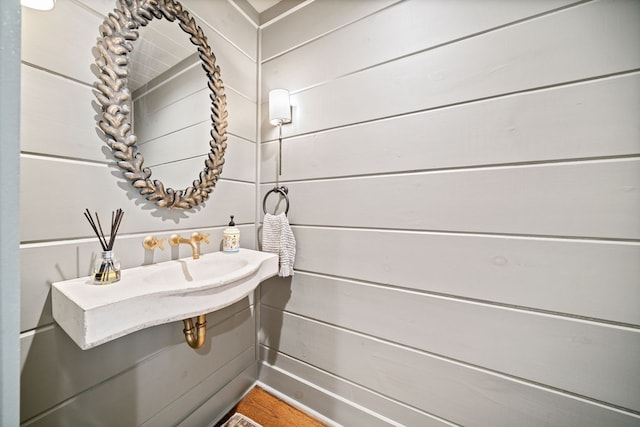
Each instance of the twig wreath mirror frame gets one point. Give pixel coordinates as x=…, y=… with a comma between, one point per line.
x=114, y=48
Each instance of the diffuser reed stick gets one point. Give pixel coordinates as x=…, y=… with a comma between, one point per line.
x=108, y=272
x=116, y=219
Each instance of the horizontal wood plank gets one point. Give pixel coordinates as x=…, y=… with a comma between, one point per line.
x=401, y=29
x=50, y=377
x=224, y=18
x=220, y=16
x=563, y=276
x=585, y=199
x=533, y=54
x=585, y=358
x=160, y=117
x=315, y=19
x=242, y=115
x=207, y=401
x=48, y=129
x=72, y=132
x=475, y=397
x=181, y=173
x=592, y=119
x=71, y=22
x=107, y=191
x=58, y=40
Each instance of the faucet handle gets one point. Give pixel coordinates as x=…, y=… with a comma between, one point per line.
x=152, y=242
x=174, y=239
x=200, y=237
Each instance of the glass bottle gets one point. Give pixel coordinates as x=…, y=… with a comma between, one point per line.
x=106, y=269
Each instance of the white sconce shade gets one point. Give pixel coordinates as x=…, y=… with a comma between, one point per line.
x=279, y=113
x=279, y=107
x=39, y=4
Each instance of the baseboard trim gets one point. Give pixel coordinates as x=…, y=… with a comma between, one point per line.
x=296, y=404
x=302, y=394
x=337, y=399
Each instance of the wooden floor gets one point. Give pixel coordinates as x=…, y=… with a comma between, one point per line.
x=269, y=411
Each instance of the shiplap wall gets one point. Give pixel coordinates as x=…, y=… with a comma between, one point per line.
x=463, y=179
x=150, y=377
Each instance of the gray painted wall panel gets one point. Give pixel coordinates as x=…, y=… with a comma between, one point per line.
x=239, y=157
x=590, y=119
x=66, y=168
x=61, y=40
x=557, y=199
x=504, y=340
x=315, y=19
x=590, y=279
x=216, y=406
x=459, y=393
x=569, y=169
x=143, y=389
x=404, y=28
x=107, y=191
x=495, y=164
x=225, y=19
x=51, y=130
x=499, y=62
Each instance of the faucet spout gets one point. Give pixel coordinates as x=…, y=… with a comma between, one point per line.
x=176, y=240
x=195, y=250
x=193, y=241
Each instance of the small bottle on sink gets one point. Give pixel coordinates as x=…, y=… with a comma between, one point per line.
x=231, y=238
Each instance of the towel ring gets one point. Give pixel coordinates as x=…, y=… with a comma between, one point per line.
x=283, y=191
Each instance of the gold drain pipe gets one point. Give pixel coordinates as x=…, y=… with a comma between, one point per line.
x=195, y=335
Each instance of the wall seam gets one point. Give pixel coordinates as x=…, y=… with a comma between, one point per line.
x=258, y=171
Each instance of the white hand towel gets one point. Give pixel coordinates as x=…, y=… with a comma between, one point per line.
x=278, y=238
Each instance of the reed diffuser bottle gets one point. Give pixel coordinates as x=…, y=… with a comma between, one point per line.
x=106, y=269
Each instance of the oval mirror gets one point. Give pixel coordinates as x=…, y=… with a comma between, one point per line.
x=114, y=49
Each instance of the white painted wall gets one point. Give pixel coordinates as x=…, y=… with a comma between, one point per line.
x=150, y=377
x=463, y=180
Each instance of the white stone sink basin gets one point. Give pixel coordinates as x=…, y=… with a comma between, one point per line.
x=192, y=271
x=155, y=294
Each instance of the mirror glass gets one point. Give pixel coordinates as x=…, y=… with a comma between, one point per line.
x=162, y=100
x=168, y=87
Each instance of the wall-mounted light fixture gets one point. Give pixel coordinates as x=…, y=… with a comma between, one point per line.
x=39, y=4
x=279, y=114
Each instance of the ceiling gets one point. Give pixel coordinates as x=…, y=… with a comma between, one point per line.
x=262, y=5
x=264, y=11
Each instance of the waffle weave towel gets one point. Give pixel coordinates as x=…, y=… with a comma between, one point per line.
x=278, y=238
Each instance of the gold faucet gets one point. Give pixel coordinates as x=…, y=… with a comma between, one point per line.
x=194, y=241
